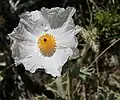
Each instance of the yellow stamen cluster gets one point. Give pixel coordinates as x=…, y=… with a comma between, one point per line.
x=47, y=44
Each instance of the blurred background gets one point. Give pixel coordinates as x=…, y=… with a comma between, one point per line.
x=95, y=75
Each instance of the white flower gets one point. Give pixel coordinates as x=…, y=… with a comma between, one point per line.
x=45, y=39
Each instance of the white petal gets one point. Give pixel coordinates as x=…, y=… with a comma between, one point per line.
x=69, y=28
x=34, y=22
x=22, y=50
x=32, y=62
x=23, y=43
x=57, y=16
x=21, y=35
x=52, y=65
x=66, y=41
x=75, y=53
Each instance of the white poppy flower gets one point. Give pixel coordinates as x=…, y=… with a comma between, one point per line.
x=45, y=39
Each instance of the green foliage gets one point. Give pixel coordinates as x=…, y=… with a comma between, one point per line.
x=85, y=72
x=107, y=22
x=41, y=98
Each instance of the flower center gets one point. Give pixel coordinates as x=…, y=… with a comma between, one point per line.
x=47, y=44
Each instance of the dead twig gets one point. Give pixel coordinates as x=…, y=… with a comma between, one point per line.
x=104, y=52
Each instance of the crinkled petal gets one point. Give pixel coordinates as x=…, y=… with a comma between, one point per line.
x=52, y=65
x=23, y=43
x=57, y=16
x=68, y=28
x=35, y=22
x=66, y=41
x=22, y=50
x=21, y=35
x=75, y=53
